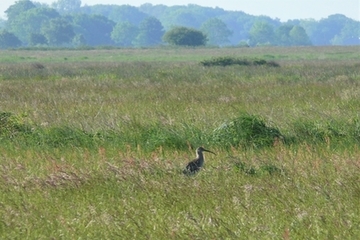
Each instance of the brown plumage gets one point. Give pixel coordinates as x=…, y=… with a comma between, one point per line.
x=195, y=165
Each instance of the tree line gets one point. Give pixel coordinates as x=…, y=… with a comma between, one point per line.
x=65, y=23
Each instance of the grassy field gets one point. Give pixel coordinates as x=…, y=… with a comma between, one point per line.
x=93, y=143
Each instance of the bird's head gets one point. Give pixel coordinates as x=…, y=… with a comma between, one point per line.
x=199, y=150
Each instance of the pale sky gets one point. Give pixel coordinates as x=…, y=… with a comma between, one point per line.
x=282, y=9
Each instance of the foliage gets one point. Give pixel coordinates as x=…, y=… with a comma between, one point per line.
x=8, y=40
x=93, y=25
x=67, y=6
x=95, y=29
x=216, y=31
x=261, y=33
x=349, y=35
x=150, y=32
x=116, y=13
x=2, y=23
x=290, y=35
x=79, y=40
x=184, y=36
x=246, y=131
x=328, y=28
x=228, y=61
x=190, y=16
x=124, y=34
x=17, y=9
x=127, y=13
x=58, y=31
x=239, y=23
x=299, y=36
x=37, y=39
x=336, y=29
x=186, y=18
x=30, y=22
x=283, y=35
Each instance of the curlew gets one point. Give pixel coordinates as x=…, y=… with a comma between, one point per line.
x=195, y=165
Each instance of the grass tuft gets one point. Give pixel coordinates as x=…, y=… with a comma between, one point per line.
x=246, y=131
x=12, y=124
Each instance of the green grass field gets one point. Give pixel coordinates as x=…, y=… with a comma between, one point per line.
x=93, y=143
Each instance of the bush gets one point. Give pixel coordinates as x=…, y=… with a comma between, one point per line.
x=246, y=131
x=225, y=61
x=228, y=61
x=184, y=36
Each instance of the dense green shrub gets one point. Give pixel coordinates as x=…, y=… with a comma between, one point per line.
x=246, y=131
x=228, y=61
x=183, y=36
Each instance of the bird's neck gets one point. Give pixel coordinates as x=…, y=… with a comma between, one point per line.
x=200, y=156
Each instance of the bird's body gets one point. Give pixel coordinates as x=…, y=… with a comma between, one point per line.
x=196, y=164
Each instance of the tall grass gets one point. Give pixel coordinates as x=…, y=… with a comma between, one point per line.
x=95, y=148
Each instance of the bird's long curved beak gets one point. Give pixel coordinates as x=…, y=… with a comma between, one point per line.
x=209, y=151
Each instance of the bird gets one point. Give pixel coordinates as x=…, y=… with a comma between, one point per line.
x=195, y=165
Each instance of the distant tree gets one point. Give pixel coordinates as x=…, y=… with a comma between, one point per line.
x=97, y=9
x=239, y=23
x=186, y=18
x=67, y=6
x=150, y=32
x=244, y=27
x=124, y=33
x=96, y=29
x=8, y=40
x=31, y=21
x=79, y=40
x=326, y=29
x=58, y=31
x=349, y=34
x=191, y=15
x=18, y=8
x=261, y=33
x=299, y=37
x=310, y=26
x=282, y=35
x=2, y=23
x=181, y=16
x=184, y=36
x=153, y=10
x=127, y=13
x=37, y=39
x=216, y=31
x=14, y=13
x=289, y=35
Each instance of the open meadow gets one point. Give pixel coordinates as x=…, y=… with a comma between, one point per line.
x=93, y=143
